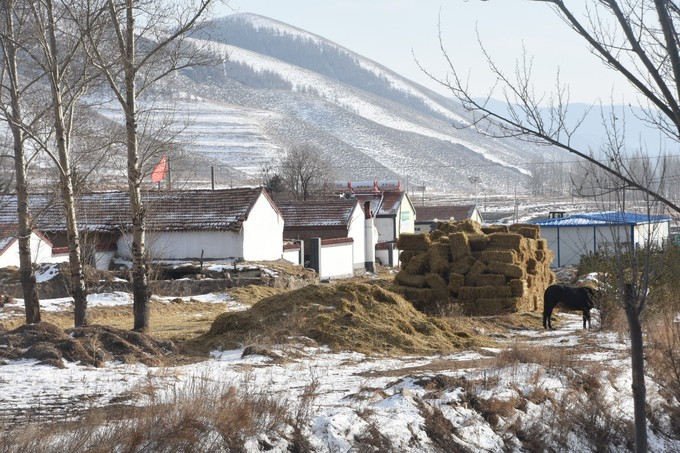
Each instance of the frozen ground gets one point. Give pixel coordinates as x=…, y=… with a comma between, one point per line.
x=484, y=400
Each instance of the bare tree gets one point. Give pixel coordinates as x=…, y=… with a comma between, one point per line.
x=304, y=171
x=637, y=38
x=141, y=42
x=11, y=97
x=59, y=54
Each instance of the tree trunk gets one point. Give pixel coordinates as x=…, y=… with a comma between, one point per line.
x=28, y=283
x=140, y=284
x=638, y=370
x=78, y=290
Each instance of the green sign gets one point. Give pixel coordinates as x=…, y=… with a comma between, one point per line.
x=405, y=216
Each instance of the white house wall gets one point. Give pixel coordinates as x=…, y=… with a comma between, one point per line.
x=336, y=261
x=385, y=227
x=188, y=245
x=41, y=252
x=407, y=217
x=11, y=256
x=356, y=231
x=292, y=255
x=263, y=232
x=575, y=242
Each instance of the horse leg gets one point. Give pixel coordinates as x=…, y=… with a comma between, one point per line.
x=586, y=316
x=547, y=314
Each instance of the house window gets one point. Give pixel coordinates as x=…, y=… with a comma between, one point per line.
x=405, y=216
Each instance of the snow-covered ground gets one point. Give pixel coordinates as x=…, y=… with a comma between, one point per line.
x=354, y=392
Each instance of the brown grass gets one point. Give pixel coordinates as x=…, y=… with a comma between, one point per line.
x=204, y=417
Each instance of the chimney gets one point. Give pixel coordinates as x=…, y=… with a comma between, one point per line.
x=370, y=238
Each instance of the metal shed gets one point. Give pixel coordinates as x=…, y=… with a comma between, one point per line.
x=574, y=236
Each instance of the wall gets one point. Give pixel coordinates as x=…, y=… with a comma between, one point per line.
x=356, y=231
x=41, y=252
x=385, y=228
x=382, y=255
x=577, y=241
x=292, y=255
x=188, y=244
x=263, y=232
x=336, y=260
x=407, y=217
x=102, y=260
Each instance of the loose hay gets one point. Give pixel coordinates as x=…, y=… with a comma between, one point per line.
x=90, y=345
x=346, y=316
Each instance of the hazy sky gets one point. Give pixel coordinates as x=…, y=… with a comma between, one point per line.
x=389, y=31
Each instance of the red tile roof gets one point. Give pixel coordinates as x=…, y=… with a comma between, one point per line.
x=328, y=212
x=178, y=210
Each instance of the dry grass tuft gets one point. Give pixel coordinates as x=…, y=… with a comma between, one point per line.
x=204, y=418
x=346, y=316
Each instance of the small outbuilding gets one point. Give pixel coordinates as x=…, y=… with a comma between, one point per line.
x=574, y=236
x=329, y=219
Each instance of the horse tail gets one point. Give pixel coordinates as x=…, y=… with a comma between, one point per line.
x=547, y=309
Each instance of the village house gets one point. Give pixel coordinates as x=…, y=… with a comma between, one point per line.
x=241, y=223
x=392, y=209
x=571, y=237
x=337, y=222
x=428, y=216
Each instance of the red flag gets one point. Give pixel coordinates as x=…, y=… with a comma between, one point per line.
x=158, y=173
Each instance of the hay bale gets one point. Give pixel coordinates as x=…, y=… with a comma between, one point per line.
x=490, y=229
x=531, y=266
x=436, y=235
x=540, y=255
x=477, y=269
x=490, y=280
x=492, y=306
x=415, y=242
x=405, y=279
x=505, y=241
x=463, y=265
x=419, y=264
x=455, y=282
x=438, y=256
x=405, y=257
x=483, y=292
x=526, y=230
x=509, y=270
x=477, y=242
x=468, y=226
x=459, y=244
x=503, y=256
x=439, y=287
x=518, y=287
x=542, y=244
x=418, y=296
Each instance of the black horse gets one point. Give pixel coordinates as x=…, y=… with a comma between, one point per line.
x=570, y=298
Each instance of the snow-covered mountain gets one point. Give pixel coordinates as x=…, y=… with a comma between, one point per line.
x=279, y=86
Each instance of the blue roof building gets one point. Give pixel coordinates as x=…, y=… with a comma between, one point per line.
x=574, y=236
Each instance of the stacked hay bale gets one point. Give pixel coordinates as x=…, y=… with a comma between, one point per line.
x=486, y=270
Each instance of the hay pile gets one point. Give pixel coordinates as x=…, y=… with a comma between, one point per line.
x=485, y=270
x=345, y=316
x=90, y=345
